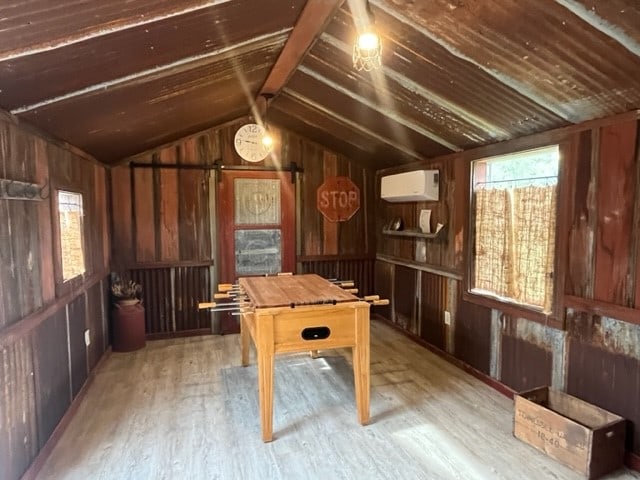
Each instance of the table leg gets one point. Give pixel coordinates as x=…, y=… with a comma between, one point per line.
x=244, y=340
x=265, y=349
x=361, y=365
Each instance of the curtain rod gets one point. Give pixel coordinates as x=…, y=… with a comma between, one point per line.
x=515, y=180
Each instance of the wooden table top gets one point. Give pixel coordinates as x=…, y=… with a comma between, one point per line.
x=282, y=291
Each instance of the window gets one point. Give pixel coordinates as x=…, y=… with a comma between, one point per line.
x=71, y=238
x=514, y=207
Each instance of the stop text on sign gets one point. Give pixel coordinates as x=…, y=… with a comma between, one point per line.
x=338, y=199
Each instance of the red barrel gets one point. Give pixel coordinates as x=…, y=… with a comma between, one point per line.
x=128, y=327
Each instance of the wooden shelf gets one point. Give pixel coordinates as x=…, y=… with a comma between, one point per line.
x=413, y=233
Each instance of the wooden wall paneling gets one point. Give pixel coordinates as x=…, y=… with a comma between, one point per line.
x=472, y=334
x=602, y=373
x=77, y=322
x=94, y=323
x=383, y=286
x=312, y=220
x=329, y=229
x=121, y=215
x=433, y=297
x=404, y=298
x=458, y=223
x=579, y=276
x=353, y=237
x=168, y=204
x=106, y=313
x=615, y=202
x=52, y=381
x=10, y=312
x=144, y=215
x=45, y=240
x=23, y=231
x=19, y=441
x=99, y=248
x=523, y=364
x=194, y=226
x=635, y=291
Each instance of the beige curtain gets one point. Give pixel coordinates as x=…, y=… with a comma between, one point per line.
x=514, y=243
x=493, y=264
x=534, y=247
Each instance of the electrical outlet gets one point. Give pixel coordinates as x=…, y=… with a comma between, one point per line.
x=447, y=317
x=87, y=337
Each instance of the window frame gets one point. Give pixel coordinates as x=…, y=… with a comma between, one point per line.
x=554, y=318
x=63, y=286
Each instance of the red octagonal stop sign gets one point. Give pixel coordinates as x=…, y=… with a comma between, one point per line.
x=338, y=199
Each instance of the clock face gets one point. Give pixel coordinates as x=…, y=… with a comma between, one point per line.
x=248, y=142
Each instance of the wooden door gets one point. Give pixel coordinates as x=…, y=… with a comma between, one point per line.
x=256, y=224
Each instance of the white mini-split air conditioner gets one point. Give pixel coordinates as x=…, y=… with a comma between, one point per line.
x=416, y=186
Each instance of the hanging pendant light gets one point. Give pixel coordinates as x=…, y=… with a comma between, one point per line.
x=367, y=49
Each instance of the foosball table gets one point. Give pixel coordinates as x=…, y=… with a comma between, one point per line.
x=297, y=313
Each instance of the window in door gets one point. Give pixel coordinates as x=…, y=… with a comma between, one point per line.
x=514, y=216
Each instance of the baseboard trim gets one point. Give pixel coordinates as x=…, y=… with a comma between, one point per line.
x=34, y=469
x=631, y=460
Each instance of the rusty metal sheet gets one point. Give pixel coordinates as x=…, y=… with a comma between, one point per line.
x=121, y=77
x=27, y=80
x=603, y=366
x=425, y=83
x=472, y=334
x=524, y=365
x=543, y=50
x=136, y=116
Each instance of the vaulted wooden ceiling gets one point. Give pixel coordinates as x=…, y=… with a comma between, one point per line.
x=120, y=77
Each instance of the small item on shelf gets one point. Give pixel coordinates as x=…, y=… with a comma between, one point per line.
x=425, y=221
x=396, y=224
x=439, y=227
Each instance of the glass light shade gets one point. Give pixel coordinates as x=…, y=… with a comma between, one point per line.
x=367, y=51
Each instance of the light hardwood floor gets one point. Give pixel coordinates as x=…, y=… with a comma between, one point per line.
x=186, y=409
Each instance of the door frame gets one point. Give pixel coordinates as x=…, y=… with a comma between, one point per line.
x=225, y=218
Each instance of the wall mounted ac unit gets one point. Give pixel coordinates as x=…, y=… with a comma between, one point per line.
x=416, y=186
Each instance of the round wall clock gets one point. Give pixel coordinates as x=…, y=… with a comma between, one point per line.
x=249, y=142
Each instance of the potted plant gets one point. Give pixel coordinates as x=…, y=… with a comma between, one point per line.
x=127, y=315
x=126, y=292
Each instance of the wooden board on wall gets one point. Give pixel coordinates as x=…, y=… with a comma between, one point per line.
x=524, y=365
x=193, y=194
x=168, y=200
x=47, y=279
x=579, y=277
x=19, y=231
x=312, y=227
x=77, y=348
x=144, y=220
x=472, y=334
x=94, y=322
x=53, y=385
x=329, y=229
x=615, y=201
x=18, y=442
x=404, y=298
x=121, y=211
x=600, y=375
x=433, y=291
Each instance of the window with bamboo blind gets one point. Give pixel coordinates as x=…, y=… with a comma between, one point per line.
x=514, y=216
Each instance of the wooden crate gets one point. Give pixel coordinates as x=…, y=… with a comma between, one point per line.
x=584, y=437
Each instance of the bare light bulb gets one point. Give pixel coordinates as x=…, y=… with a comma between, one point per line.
x=267, y=141
x=368, y=41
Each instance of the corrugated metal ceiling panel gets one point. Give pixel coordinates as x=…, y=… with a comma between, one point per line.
x=116, y=78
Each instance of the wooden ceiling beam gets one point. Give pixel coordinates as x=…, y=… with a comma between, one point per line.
x=312, y=21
